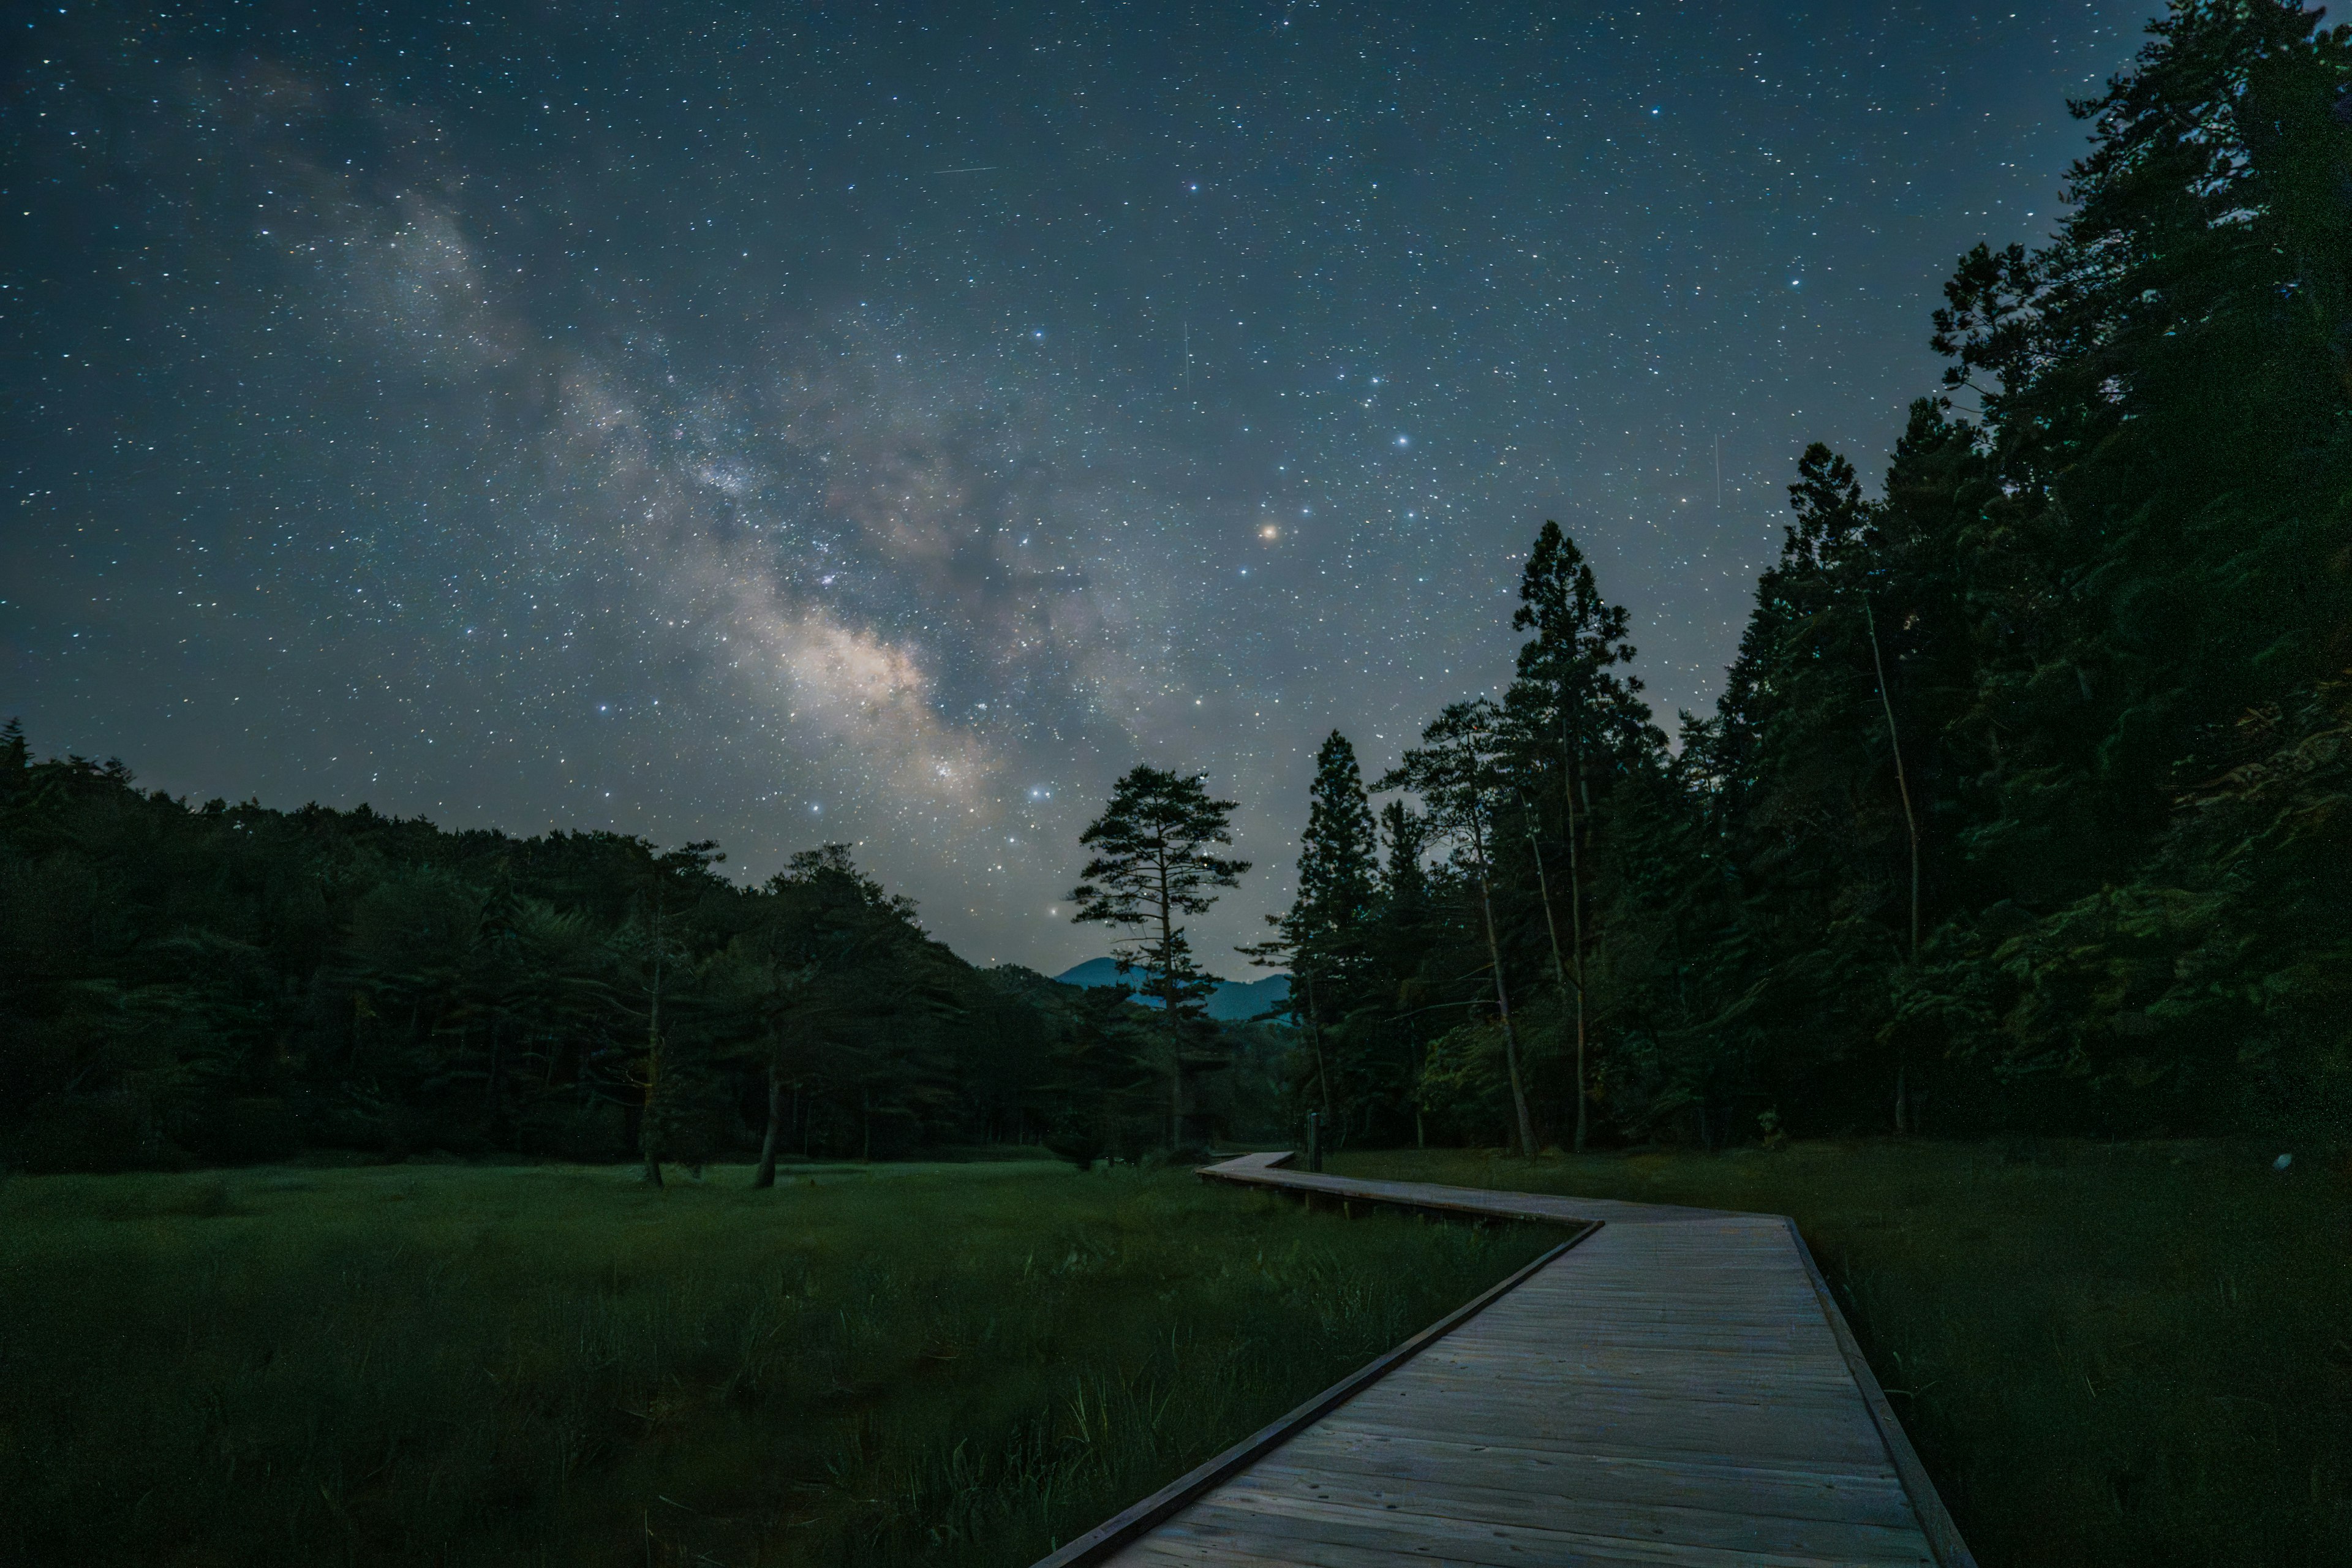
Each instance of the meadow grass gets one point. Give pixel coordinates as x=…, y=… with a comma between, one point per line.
x=956, y=1365
x=2130, y=1355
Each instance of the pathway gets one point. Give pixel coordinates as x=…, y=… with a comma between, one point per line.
x=1671, y=1386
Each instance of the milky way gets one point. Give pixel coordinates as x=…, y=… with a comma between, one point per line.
x=888, y=425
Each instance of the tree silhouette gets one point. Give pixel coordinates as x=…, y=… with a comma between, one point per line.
x=1152, y=863
x=1321, y=937
x=1457, y=772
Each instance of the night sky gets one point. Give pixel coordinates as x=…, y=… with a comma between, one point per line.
x=783, y=424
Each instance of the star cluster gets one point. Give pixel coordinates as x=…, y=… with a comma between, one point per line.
x=784, y=425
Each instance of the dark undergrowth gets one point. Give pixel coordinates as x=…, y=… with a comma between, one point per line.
x=554, y=1365
x=2134, y=1354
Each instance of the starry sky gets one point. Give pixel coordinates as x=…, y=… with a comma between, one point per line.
x=784, y=423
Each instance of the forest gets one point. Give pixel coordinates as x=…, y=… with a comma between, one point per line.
x=230, y=983
x=2027, y=805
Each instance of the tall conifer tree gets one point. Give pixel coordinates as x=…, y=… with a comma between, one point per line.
x=1573, y=709
x=1154, y=861
x=1322, y=936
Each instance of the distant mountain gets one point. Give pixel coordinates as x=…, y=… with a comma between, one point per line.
x=1235, y=1001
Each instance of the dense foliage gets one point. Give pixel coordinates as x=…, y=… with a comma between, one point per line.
x=233, y=983
x=2027, y=801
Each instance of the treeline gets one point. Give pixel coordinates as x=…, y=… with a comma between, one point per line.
x=224, y=983
x=2028, y=802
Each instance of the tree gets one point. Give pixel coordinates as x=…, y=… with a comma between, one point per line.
x=1457, y=772
x=1566, y=696
x=1321, y=937
x=666, y=881
x=1404, y=839
x=1152, y=863
x=761, y=979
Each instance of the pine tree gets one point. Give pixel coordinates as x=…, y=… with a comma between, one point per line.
x=1405, y=881
x=1153, y=861
x=671, y=1091
x=1457, y=771
x=1322, y=936
x=1571, y=706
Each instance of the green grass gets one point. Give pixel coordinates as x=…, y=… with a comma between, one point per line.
x=468, y=1366
x=2130, y=1355
x=2134, y=1354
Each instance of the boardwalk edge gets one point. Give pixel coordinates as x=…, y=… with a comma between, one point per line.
x=1935, y=1520
x=1121, y=1528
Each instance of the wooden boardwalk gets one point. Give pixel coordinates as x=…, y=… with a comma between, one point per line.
x=1672, y=1387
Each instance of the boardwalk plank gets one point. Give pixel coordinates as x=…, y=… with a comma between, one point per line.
x=1477, y=1500
x=1628, y=1450
x=1284, y=1526
x=1876, y=1498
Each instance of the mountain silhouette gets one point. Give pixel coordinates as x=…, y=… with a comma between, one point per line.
x=1234, y=1002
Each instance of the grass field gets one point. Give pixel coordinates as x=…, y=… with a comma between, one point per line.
x=2134, y=1355
x=942, y=1365
x=2127, y=1355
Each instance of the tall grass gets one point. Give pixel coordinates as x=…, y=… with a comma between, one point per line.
x=457, y=1366
x=2106, y=1355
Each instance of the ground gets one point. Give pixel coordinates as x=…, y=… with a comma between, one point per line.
x=2129, y=1355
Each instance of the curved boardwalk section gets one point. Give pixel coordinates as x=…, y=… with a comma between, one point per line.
x=1674, y=1386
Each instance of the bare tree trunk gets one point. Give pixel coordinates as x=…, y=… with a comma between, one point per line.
x=498, y=1070
x=1167, y=1000
x=1576, y=935
x=1502, y=997
x=1315, y=1026
x=1559, y=970
x=648, y=1125
x=1419, y=1133
x=1573, y=785
x=1911, y=826
x=765, y=1176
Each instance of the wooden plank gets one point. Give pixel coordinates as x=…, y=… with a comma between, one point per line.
x=1621, y=1445
x=1793, y=1382
x=1467, y=1502
x=1877, y=1499
x=1731, y=1380
x=1593, y=1334
x=1761, y=1439
x=1285, y=1528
